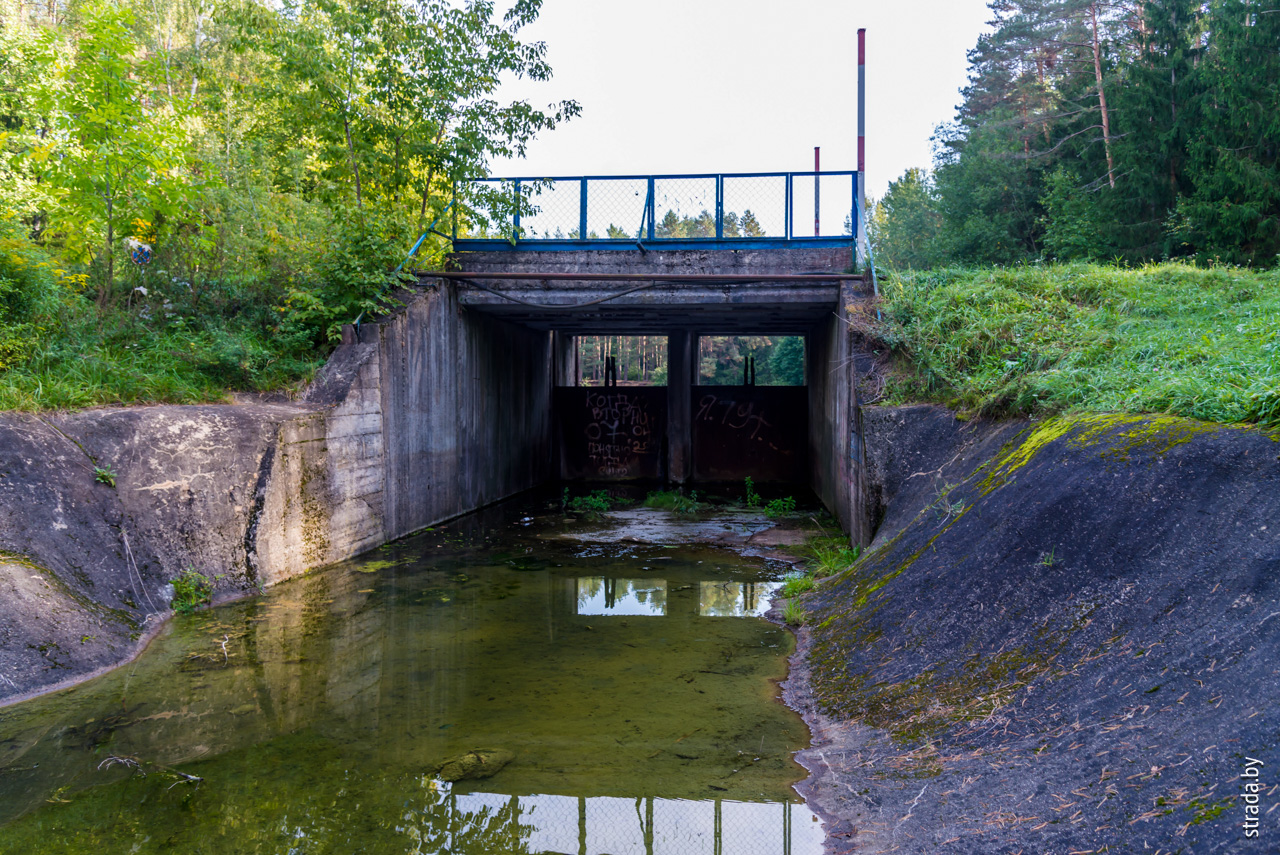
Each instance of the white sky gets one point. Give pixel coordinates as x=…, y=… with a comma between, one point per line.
x=745, y=85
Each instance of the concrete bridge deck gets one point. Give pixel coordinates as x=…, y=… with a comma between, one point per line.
x=783, y=291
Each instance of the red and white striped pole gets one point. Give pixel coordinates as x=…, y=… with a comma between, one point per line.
x=862, y=141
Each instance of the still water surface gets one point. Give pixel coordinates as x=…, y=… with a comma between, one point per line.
x=632, y=682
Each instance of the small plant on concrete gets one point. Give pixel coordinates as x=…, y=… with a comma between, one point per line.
x=592, y=505
x=673, y=500
x=1049, y=560
x=191, y=590
x=946, y=508
x=793, y=613
x=753, y=498
x=104, y=475
x=778, y=507
x=797, y=584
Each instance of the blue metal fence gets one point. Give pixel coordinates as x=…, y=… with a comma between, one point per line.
x=704, y=211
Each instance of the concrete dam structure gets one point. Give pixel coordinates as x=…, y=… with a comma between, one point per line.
x=470, y=392
x=463, y=396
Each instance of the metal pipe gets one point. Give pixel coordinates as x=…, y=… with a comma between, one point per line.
x=707, y=278
x=860, y=217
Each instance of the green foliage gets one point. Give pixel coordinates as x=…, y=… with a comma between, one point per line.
x=1033, y=340
x=30, y=297
x=797, y=584
x=104, y=475
x=905, y=223
x=753, y=498
x=793, y=613
x=593, y=504
x=191, y=590
x=674, y=500
x=1140, y=131
x=279, y=160
x=780, y=507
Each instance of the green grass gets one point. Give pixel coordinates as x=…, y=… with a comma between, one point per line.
x=1165, y=338
x=795, y=585
x=831, y=555
x=125, y=360
x=793, y=613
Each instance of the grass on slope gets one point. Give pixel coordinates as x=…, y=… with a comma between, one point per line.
x=1171, y=338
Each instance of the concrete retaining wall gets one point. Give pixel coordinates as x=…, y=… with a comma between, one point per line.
x=428, y=415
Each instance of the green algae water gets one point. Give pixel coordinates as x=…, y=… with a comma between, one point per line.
x=632, y=684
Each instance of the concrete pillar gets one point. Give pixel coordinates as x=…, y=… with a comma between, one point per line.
x=563, y=352
x=680, y=366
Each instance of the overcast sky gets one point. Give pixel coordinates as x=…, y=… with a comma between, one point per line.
x=746, y=85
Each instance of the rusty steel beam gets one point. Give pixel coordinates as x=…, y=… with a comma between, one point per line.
x=704, y=278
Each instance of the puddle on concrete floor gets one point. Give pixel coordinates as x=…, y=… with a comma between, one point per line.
x=630, y=681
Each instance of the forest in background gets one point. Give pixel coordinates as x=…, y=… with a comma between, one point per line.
x=1119, y=130
x=779, y=360
x=271, y=161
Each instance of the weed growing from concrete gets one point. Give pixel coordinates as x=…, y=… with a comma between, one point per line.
x=594, y=504
x=793, y=613
x=780, y=507
x=104, y=475
x=673, y=500
x=191, y=590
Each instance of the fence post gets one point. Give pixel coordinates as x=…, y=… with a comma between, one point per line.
x=719, y=207
x=787, y=210
x=582, y=212
x=515, y=219
x=653, y=207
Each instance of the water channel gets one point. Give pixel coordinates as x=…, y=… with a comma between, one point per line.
x=630, y=681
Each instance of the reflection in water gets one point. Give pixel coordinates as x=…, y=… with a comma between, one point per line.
x=734, y=599
x=317, y=713
x=609, y=825
x=598, y=595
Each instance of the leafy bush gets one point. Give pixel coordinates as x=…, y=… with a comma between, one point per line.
x=191, y=590
x=30, y=297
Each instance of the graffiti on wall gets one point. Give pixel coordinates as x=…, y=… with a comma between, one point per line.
x=611, y=432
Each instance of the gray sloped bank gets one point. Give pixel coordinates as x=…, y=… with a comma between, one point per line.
x=1065, y=638
x=409, y=423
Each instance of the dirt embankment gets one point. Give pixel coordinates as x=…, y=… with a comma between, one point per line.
x=1065, y=638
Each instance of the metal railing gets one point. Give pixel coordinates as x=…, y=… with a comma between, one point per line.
x=729, y=210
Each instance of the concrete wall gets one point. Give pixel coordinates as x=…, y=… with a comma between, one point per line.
x=836, y=446
x=428, y=415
